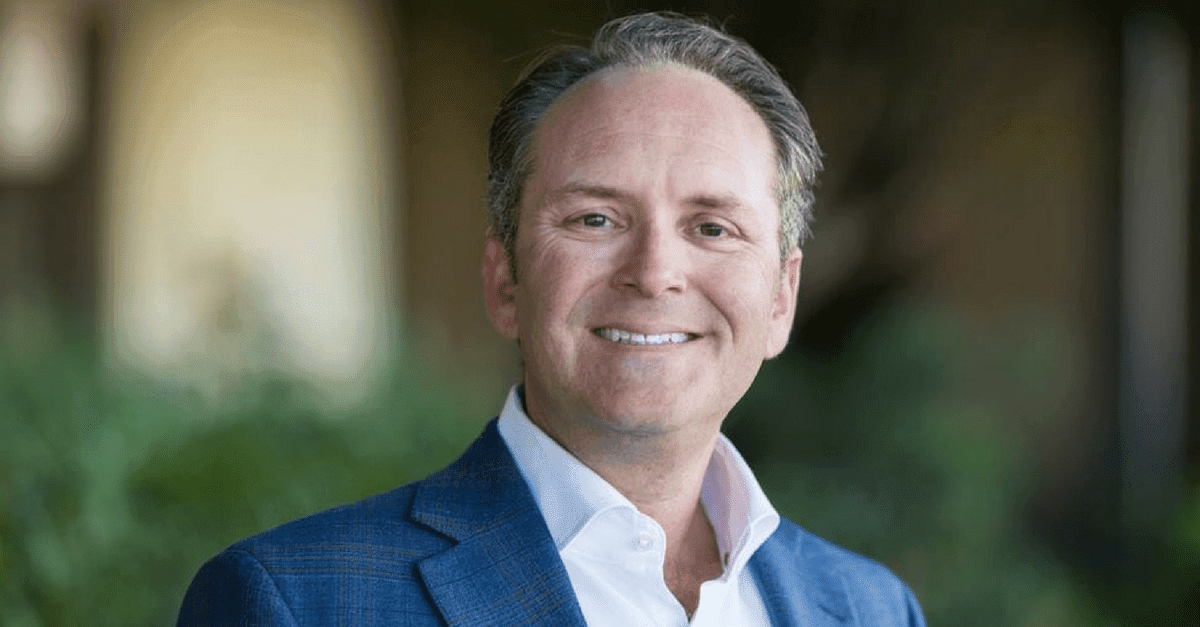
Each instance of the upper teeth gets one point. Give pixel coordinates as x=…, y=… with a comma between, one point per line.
x=638, y=339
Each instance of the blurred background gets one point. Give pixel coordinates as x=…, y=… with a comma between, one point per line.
x=239, y=251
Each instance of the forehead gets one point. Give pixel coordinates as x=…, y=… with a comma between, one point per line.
x=663, y=106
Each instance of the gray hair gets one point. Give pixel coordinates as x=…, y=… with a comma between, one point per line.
x=641, y=40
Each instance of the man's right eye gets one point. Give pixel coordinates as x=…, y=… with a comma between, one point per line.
x=595, y=220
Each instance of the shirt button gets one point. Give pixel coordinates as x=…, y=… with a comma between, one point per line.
x=643, y=542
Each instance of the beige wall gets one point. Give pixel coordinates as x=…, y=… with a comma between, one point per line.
x=248, y=190
x=40, y=86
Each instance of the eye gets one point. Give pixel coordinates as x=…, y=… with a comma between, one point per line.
x=595, y=220
x=711, y=229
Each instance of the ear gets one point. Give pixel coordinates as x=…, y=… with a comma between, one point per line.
x=783, y=312
x=499, y=289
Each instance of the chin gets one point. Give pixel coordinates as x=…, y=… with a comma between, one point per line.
x=641, y=413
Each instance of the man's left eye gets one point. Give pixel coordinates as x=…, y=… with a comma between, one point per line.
x=595, y=220
x=711, y=229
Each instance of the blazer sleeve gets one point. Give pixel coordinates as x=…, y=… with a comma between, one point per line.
x=233, y=589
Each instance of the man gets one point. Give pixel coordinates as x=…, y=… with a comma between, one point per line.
x=647, y=199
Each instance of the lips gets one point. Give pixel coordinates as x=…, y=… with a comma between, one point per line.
x=631, y=338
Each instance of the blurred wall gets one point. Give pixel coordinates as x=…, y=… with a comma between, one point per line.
x=249, y=195
x=50, y=58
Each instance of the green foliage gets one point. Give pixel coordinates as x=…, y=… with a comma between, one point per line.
x=1189, y=530
x=113, y=492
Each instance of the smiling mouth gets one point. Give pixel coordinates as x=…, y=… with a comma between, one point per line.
x=629, y=338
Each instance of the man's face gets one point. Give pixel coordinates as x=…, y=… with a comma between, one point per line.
x=649, y=286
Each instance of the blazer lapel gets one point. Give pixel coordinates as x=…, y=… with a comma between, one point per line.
x=796, y=593
x=505, y=568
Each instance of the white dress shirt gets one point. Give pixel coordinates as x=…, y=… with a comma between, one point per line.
x=614, y=554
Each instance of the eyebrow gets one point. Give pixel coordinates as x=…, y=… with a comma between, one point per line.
x=716, y=201
x=590, y=191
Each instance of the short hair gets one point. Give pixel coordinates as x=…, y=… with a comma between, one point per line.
x=641, y=40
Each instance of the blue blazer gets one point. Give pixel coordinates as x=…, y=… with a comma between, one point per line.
x=468, y=546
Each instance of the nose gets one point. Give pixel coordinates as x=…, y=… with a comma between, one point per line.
x=654, y=262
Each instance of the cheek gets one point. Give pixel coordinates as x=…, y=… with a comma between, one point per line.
x=745, y=295
x=552, y=290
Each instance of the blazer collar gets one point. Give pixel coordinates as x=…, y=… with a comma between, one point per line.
x=797, y=589
x=505, y=568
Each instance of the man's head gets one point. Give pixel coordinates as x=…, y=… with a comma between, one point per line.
x=641, y=40
x=655, y=273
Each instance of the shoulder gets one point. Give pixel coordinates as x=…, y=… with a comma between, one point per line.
x=838, y=580
x=825, y=557
x=360, y=557
x=374, y=523
x=299, y=572
x=405, y=523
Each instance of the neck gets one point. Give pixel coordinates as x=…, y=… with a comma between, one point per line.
x=662, y=475
x=662, y=478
